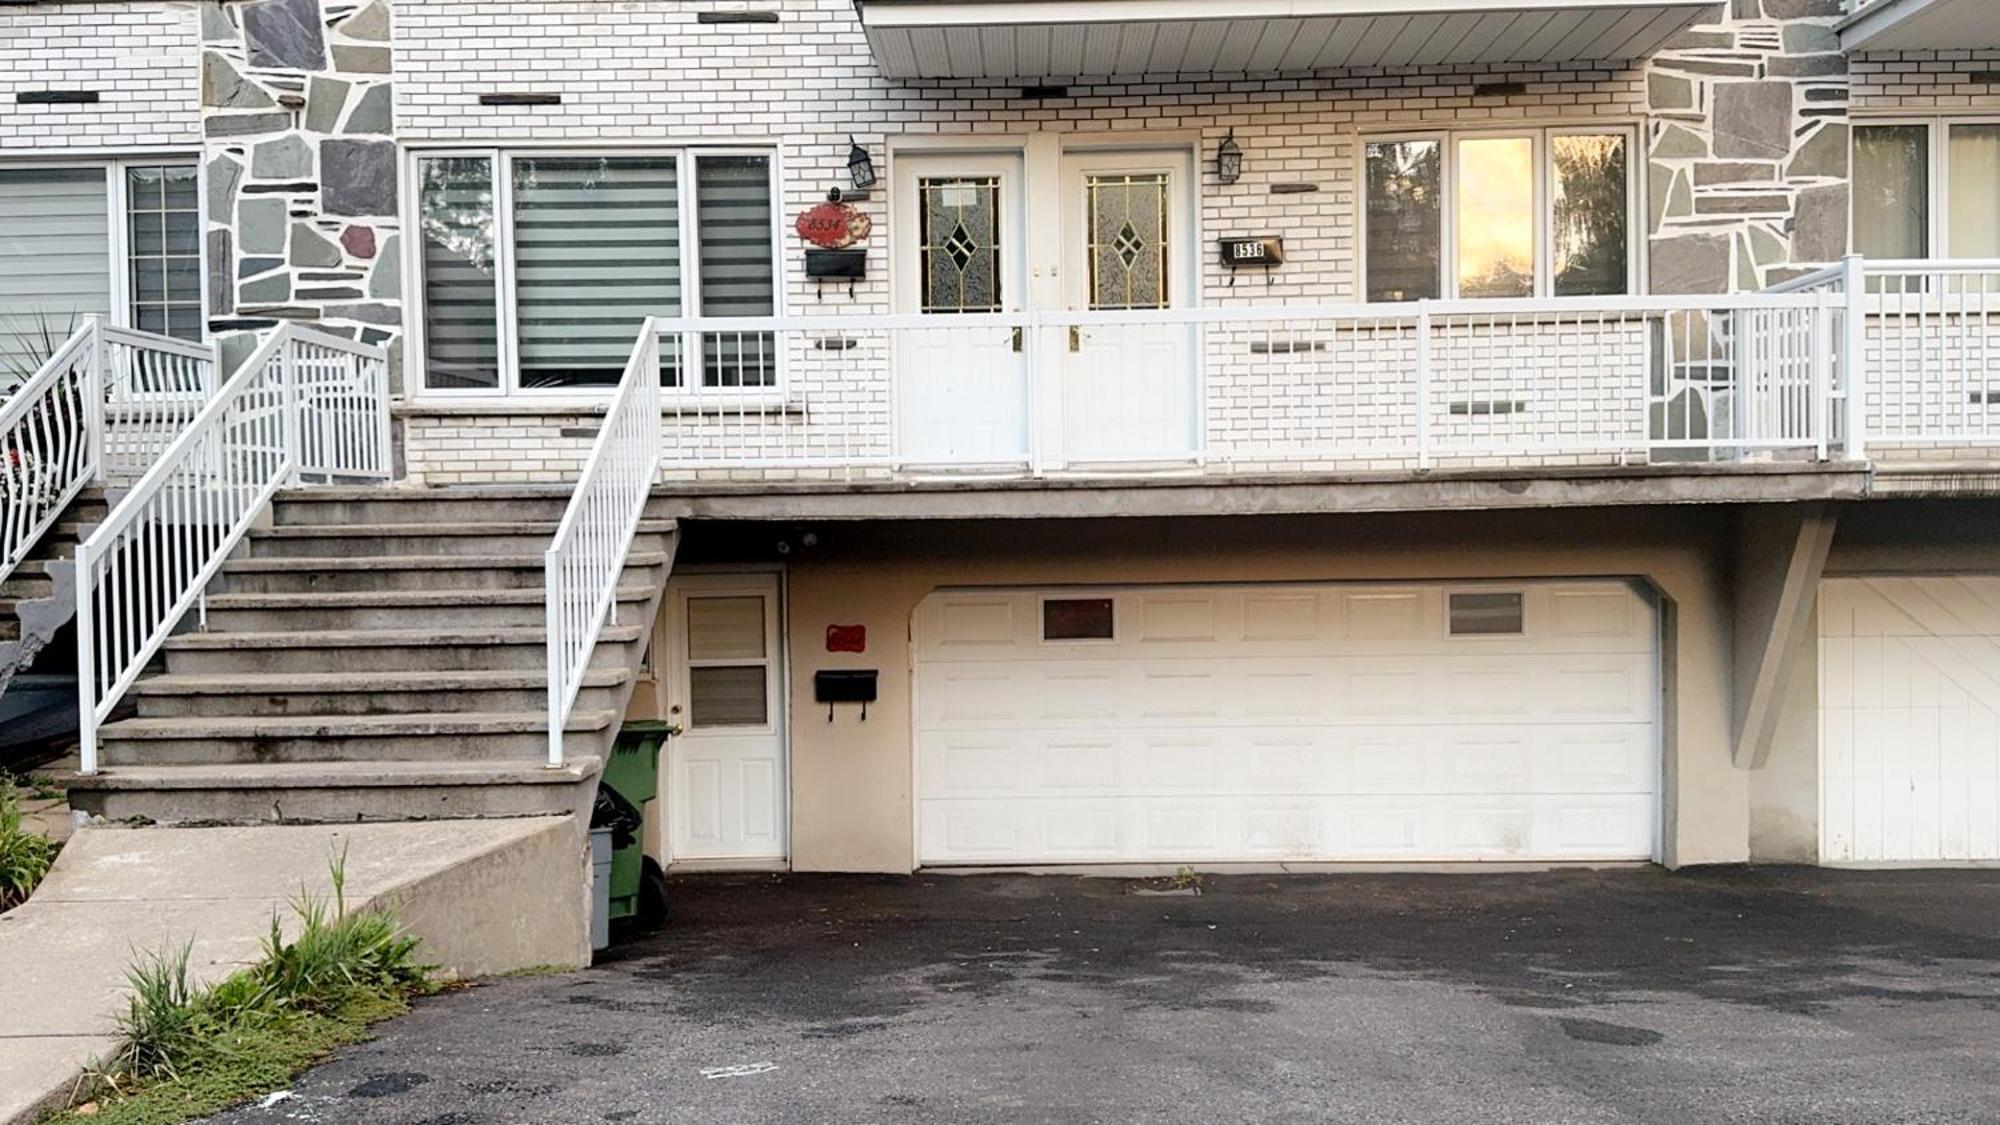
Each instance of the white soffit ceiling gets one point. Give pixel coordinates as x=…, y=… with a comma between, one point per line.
x=1913, y=25
x=1033, y=39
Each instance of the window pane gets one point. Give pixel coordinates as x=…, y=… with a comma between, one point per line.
x=596, y=250
x=1973, y=163
x=1591, y=221
x=738, y=278
x=1485, y=615
x=1405, y=211
x=461, y=320
x=1892, y=191
x=1078, y=619
x=1496, y=217
x=55, y=242
x=959, y=236
x=163, y=240
x=725, y=628
x=727, y=697
x=1128, y=241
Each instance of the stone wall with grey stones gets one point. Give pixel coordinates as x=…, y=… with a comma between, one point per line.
x=1748, y=135
x=297, y=120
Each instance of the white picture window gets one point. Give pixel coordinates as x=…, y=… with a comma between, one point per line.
x=1536, y=212
x=119, y=239
x=1927, y=188
x=537, y=269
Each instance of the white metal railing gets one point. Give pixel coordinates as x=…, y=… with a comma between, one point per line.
x=102, y=407
x=1930, y=343
x=304, y=404
x=1415, y=385
x=587, y=554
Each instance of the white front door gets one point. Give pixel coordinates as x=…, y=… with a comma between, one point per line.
x=1271, y=722
x=962, y=392
x=1909, y=672
x=726, y=787
x=1128, y=391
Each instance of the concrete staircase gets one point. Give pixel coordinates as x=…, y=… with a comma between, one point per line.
x=376, y=654
x=39, y=598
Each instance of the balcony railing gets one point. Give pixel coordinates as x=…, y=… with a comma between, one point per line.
x=1287, y=388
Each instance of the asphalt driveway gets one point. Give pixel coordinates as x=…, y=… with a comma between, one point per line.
x=1619, y=996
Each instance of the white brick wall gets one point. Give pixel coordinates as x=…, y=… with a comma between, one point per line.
x=140, y=57
x=1924, y=82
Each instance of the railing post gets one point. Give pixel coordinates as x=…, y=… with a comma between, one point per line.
x=1820, y=342
x=93, y=400
x=552, y=608
x=1423, y=386
x=1853, y=355
x=86, y=662
x=288, y=389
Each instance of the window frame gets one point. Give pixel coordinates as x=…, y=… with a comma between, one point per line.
x=118, y=219
x=1540, y=135
x=501, y=159
x=1937, y=156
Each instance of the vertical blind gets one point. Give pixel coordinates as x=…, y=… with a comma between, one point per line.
x=596, y=249
x=55, y=253
x=733, y=213
x=461, y=320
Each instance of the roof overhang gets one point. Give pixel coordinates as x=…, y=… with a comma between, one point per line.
x=1917, y=25
x=1052, y=39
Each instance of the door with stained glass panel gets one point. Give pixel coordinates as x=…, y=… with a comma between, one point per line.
x=726, y=787
x=1128, y=389
x=962, y=388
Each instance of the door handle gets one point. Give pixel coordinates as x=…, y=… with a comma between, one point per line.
x=1075, y=338
x=1017, y=339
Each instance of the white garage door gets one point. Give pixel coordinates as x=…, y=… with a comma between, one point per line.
x=1909, y=719
x=1267, y=722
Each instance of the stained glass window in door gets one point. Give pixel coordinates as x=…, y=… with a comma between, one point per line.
x=1128, y=240
x=959, y=220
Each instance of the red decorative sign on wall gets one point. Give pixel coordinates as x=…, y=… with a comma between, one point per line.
x=834, y=226
x=847, y=638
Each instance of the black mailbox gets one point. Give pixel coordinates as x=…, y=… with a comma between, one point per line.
x=844, y=264
x=846, y=685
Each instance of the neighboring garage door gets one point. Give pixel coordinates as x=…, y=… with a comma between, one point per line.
x=1269, y=722
x=1909, y=738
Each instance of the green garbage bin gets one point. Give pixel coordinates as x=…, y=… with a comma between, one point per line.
x=631, y=779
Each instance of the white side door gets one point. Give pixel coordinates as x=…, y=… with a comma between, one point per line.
x=962, y=392
x=726, y=785
x=1128, y=391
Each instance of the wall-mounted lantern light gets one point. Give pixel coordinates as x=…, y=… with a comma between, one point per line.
x=860, y=168
x=1229, y=160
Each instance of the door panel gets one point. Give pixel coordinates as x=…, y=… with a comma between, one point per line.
x=1129, y=391
x=962, y=391
x=726, y=781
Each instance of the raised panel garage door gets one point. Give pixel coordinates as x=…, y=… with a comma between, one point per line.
x=1286, y=722
x=1909, y=719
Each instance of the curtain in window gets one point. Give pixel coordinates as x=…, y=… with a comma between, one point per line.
x=1974, y=163
x=164, y=248
x=733, y=217
x=55, y=247
x=461, y=319
x=1892, y=191
x=596, y=249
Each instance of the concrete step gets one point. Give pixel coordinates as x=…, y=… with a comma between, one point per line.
x=339, y=791
x=300, y=694
x=382, y=650
x=339, y=506
x=391, y=609
x=434, y=538
x=411, y=572
x=258, y=740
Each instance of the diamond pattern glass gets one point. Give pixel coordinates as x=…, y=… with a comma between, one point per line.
x=959, y=221
x=1128, y=240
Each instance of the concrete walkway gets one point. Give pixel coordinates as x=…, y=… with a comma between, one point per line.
x=486, y=896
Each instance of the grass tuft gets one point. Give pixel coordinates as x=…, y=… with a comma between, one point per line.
x=25, y=857
x=192, y=1051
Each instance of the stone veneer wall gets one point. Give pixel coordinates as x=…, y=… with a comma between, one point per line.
x=297, y=118
x=1749, y=143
